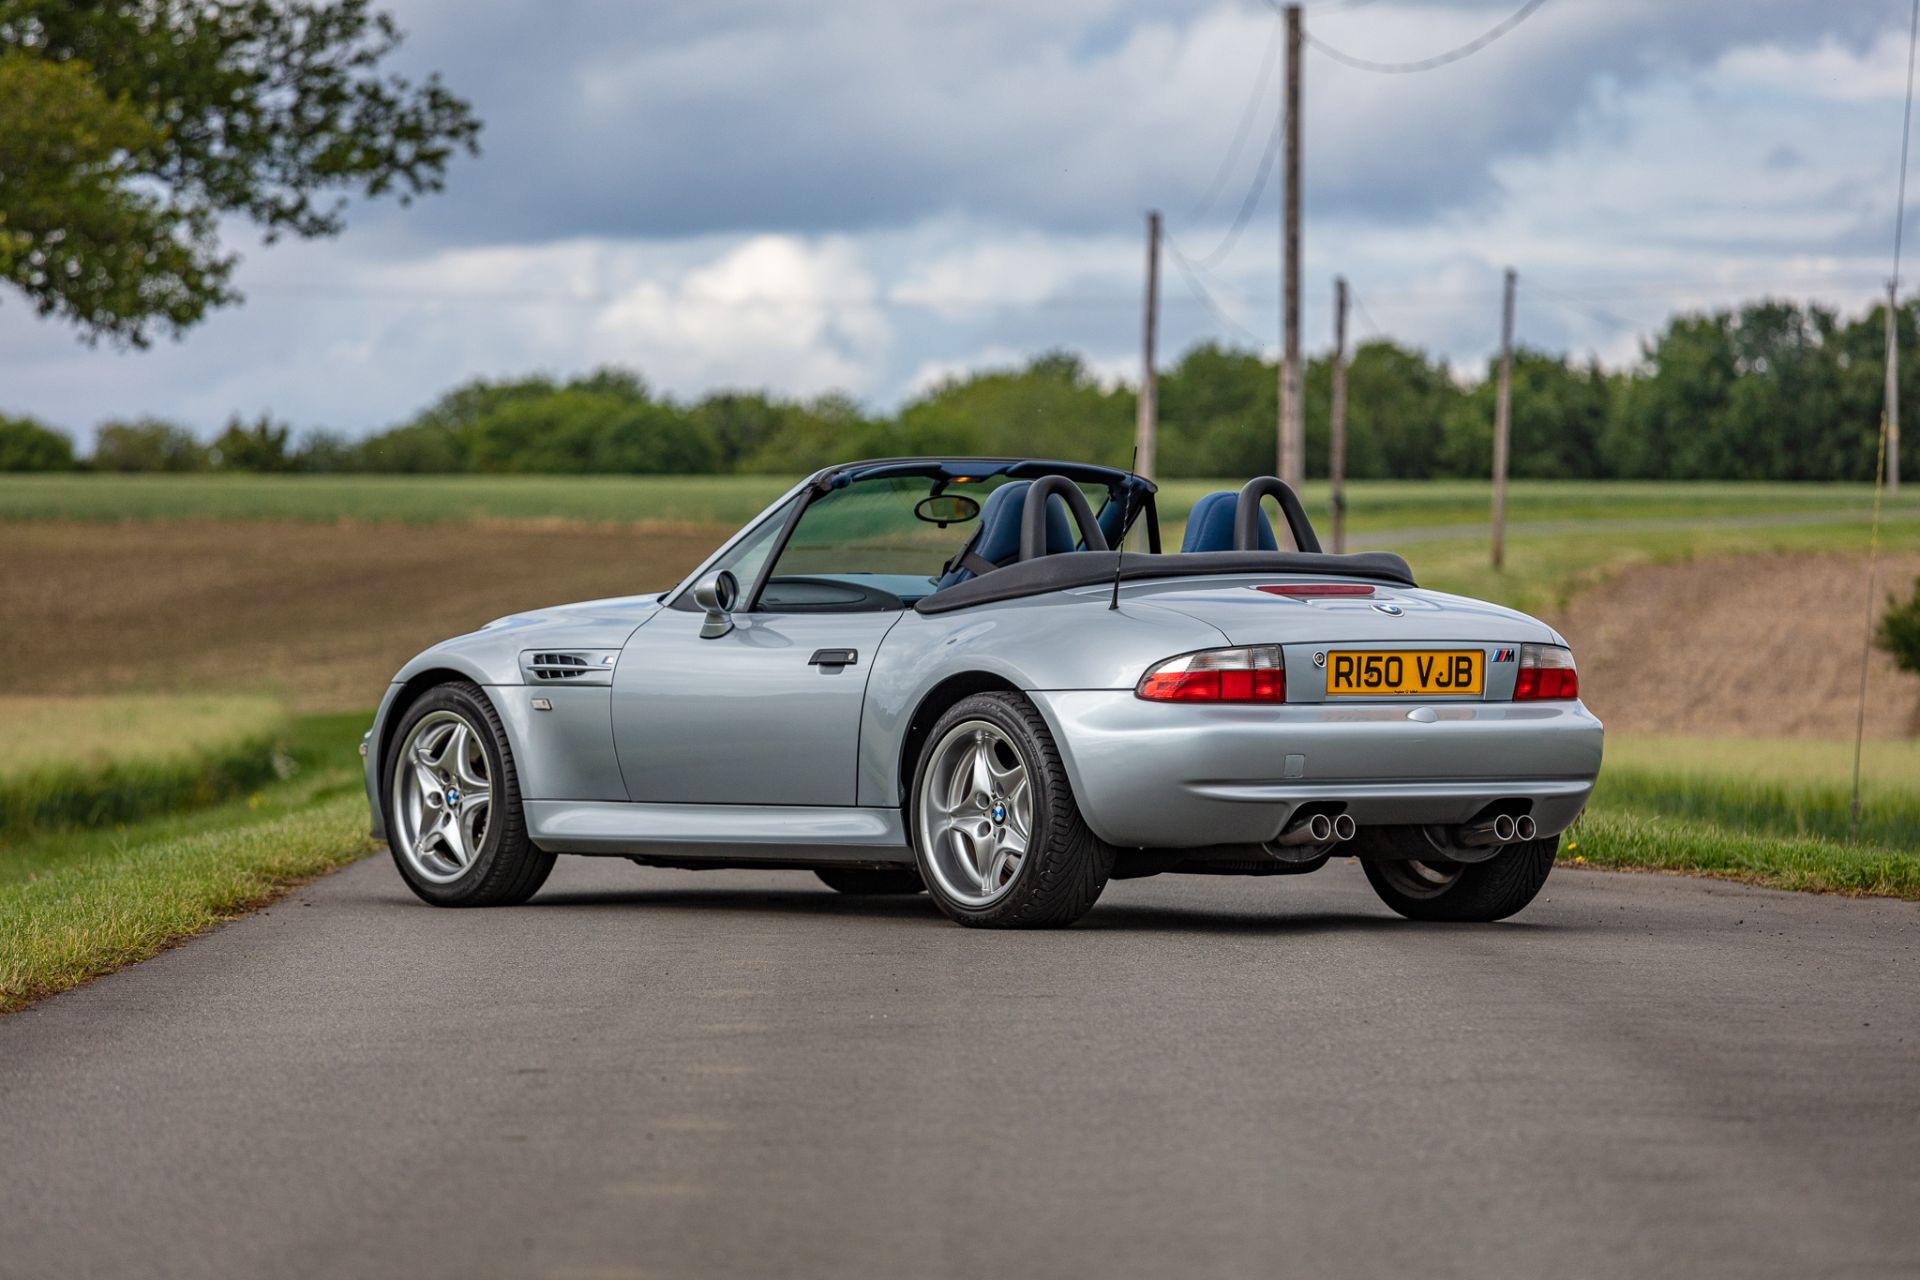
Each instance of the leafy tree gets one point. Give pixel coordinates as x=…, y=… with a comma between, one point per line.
x=417, y=448
x=129, y=128
x=326, y=451
x=827, y=429
x=1217, y=413
x=1899, y=632
x=1559, y=414
x=1053, y=408
x=604, y=422
x=262, y=446
x=147, y=445
x=741, y=423
x=1397, y=402
x=26, y=445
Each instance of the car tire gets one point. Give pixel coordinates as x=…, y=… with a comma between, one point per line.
x=450, y=851
x=863, y=883
x=1061, y=867
x=1475, y=892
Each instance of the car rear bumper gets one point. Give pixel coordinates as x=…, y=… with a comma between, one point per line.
x=1159, y=775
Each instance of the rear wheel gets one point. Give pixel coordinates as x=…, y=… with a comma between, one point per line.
x=454, y=820
x=1461, y=891
x=863, y=882
x=998, y=837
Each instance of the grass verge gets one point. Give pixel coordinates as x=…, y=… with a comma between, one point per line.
x=1625, y=840
x=86, y=761
x=1768, y=812
x=78, y=904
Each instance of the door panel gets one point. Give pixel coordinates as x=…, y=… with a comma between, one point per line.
x=748, y=717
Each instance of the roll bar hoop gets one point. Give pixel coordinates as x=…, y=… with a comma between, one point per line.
x=1246, y=514
x=1033, y=516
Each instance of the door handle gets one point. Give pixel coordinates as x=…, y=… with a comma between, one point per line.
x=834, y=658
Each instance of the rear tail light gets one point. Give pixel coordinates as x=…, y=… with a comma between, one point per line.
x=1547, y=674
x=1257, y=673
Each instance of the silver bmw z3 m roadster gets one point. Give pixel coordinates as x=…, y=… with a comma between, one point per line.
x=940, y=674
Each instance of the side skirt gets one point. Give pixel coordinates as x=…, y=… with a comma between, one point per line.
x=763, y=835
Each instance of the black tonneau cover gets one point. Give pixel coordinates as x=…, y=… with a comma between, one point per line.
x=1085, y=568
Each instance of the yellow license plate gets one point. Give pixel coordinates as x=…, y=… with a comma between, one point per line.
x=1401, y=673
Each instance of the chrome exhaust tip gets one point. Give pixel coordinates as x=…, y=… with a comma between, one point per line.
x=1315, y=829
x=1344, y=827
x=1503, y=828
x=1524, y=828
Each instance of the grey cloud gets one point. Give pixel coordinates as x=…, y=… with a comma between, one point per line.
x=671, y=119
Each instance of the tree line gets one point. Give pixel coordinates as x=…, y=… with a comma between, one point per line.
x=1772, y=390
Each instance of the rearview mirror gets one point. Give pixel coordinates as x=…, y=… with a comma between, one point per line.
x=946, y=508
x=717, y=593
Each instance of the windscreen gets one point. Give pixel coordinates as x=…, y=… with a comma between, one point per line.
x=894, y=534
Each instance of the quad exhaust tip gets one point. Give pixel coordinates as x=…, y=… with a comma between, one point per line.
x=1501, y=828
x=1319, y=828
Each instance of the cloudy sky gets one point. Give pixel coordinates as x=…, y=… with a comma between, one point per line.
x=870, y=194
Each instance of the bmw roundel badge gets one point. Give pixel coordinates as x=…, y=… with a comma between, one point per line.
x=1391, y=610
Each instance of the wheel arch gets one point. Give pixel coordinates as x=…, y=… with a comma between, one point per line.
x=935, y=703
x=404, y=695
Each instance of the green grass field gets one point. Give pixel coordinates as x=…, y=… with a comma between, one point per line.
x=94, y=761
x=1773, y=812
x=1373, y=505
x=79, y=903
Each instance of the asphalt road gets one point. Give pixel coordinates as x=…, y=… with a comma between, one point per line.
x=650, y=1073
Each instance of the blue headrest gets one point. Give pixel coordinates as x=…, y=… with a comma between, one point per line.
x=1210, y=524
x=998, y=538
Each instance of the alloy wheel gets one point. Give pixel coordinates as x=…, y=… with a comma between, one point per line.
x=442, y=796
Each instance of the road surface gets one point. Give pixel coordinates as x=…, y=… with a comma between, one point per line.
x=653, y=1073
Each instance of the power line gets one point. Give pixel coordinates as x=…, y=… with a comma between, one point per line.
x=1250, y=203
x=1466, y=50
x=1598, y=313
x=1365, y=318
x=1880, y=445
x=1906, y=136
x=1191, y=274
x=1254, y=99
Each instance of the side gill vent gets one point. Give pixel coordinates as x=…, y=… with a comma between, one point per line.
x=559, y=666
x=568, y=666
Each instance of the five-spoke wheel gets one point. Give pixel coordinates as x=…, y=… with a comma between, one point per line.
x=996, y=832
x=454, y=818
x=441, y=796
x=976, y=812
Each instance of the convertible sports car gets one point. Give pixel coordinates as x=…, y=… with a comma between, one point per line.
x=936, y=673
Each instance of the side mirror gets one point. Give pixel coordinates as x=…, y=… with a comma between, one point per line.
x=717, y=593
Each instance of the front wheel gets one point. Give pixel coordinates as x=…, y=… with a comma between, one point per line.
x=1460, y=891
x=454, y=821
x=997, y=835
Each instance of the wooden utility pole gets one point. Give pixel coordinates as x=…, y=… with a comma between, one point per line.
x=1893, y=387
x=1501, y=422
x=1293, y=453
x=1145, y=426
x=1337, y=423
